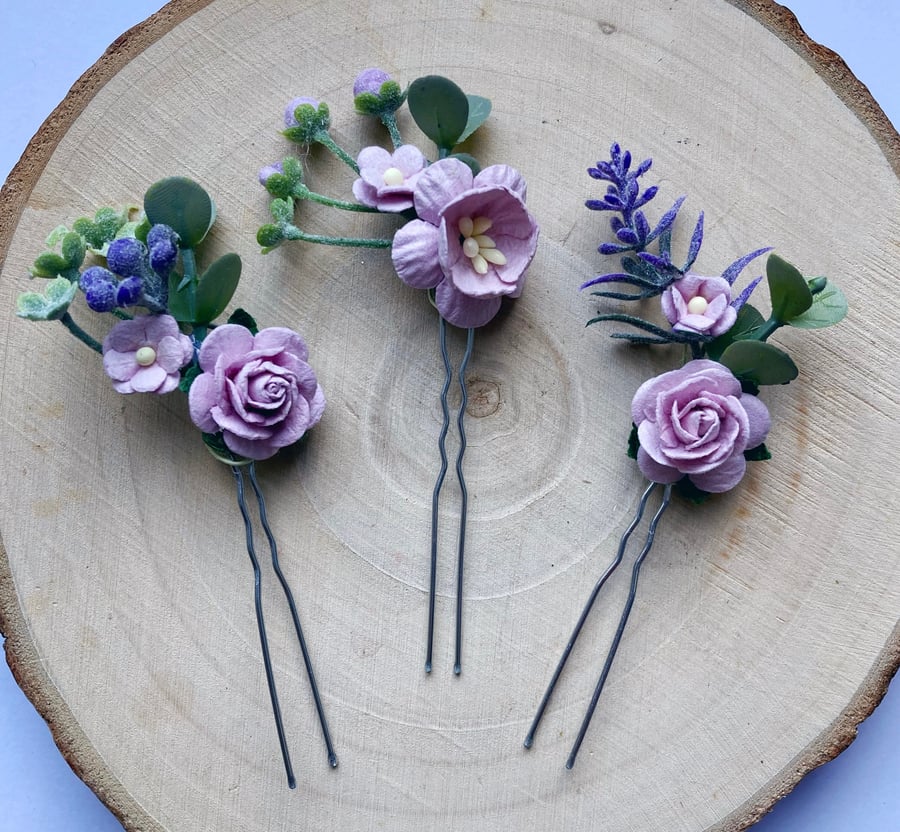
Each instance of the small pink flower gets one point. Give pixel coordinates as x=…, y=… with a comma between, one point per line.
x=387, y=179
x=472, y=243
x=257, y=390
x=699, y=304
x=145, y=355
x=695, y=421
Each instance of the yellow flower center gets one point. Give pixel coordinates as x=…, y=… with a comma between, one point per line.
x=393, y=176
x=477, y=246
x=145, y=356
x=697, y=305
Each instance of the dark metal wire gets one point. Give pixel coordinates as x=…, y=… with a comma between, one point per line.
x=276, y=565
x=632, y=592
x=623, y=542
x=263, y=639
x=464, y=505
x=435, y=496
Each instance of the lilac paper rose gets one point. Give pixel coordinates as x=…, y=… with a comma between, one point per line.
x=145, y=355
x=699, y=304
x=696, y=422
x=473, y=240
x=257, y=390
x=387, y=179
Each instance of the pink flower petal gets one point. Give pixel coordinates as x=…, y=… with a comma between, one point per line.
x=759, y=419
x=119, y=366
x=441, y=183
x=415, y=255
x=504, y=176
x=173, y=353
x=202, y=398
x=229, y=342
x=462, y=310
x=148, y=379
x=282, y=339
x=655, y=472
x=722, y=478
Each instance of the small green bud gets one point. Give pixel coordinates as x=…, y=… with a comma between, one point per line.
x=270, y=236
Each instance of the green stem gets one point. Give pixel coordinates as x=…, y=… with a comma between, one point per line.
x=190, y=279
x=291, y=232
x=80, y=334
x=324, y=138
x=389, y=120
x=122, y=316
x=766, y=329
x=302, y=192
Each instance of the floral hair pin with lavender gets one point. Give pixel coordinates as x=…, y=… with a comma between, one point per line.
x=250, y=392
x=466, y=237
x=695, y=428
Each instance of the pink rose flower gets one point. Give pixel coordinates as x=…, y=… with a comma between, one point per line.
x=699, y=304
x=473, y=240
x=387, y=179
x=145, y=355
x=696, y=422
x=257, y=390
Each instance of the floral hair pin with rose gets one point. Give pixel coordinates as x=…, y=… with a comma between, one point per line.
x=467, y=238
x=250, y=392
x=695, y=428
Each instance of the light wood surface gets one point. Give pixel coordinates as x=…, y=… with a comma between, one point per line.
x=766, y=624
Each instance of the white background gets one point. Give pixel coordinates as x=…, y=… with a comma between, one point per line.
x=44, y=46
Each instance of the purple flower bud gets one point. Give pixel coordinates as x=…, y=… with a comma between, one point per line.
x=125, y=256
x=370, y=80
x=268, y=170
x=99, y=287
x=289, y=120
x=162, y=241
x=128, y=292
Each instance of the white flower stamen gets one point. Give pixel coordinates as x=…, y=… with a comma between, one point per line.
x=145, y=356
x=477, y=246
x=697, y=305
x=393, y=176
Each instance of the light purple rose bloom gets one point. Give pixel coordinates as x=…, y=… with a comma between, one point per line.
x=145, y=355
x=370, y=80
x=473, y=240
x=696, y=421
x=257, y=390
x=387, y=179
x=293, y=104
x=699, y=304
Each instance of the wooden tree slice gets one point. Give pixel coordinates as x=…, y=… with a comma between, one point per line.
x=766, y=624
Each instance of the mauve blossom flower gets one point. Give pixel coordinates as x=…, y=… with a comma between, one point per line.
x=699, y=304
x=472, y=242
x=370, y=80
x=695, y=421
x=293, y=104
x=257, y=390
x=387, y=179
x=269, y=170
x=144, y=355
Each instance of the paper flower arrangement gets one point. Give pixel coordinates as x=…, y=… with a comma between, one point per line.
x=250, y=391
x=465, y=235
x=694, y=428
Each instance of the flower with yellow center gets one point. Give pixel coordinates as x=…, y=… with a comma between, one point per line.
x=477, y=246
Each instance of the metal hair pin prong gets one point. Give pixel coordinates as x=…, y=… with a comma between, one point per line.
x=435, y=497
x=237, y=470
x=623, y=621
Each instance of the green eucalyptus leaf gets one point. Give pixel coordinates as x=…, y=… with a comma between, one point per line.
x=183, y=205
x=748, y=320
x=181, y=299
x=216, y=288
x=187, y=377
x=828, y=307
x=48, y=264
x=243, y=318
x=479, y=110
x=758, y=454
x=788, y=290
x=817, y=284
x=759, y=363
x=440, y=109
x=142, y=229
x=633, y=442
